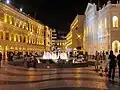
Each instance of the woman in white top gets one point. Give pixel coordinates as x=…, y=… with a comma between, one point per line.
x=106, y=62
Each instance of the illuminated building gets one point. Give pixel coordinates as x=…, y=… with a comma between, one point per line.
x=74, y=38
x=60, y=44
x=20, y=32
x=102, y=28
x=47, y=38
x=54, y=36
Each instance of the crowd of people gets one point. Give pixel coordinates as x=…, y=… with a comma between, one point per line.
x=14, y=56
x=107, y=62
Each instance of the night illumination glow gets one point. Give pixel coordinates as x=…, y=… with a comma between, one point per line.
x=21, y=9
x=8, y=1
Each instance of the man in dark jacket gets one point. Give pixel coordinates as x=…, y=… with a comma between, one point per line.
x=112, y=65
x=118, y=58
x=0, y=58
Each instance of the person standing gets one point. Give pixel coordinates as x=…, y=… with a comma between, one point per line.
x=97, y=61
x=112, y=65
x=118, y=58
x=0, y=59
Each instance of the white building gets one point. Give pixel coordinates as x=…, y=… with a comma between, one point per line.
x=102, y=28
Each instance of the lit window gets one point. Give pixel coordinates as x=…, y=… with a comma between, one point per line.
x=1, y=35
x=5, y=18
x=115, y=21
x=29, y=26
x=100, y=24
x=105, y=23
x=24, y=39
x=16, y=38
x=10, y=19
x=20, y=38
x=12, y=37
x=13, y=21
x=20, y=23
x=17, y=22
x=6, y=36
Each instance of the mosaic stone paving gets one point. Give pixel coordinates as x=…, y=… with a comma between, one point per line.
x=12, y=78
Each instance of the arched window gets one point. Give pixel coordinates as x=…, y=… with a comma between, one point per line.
x=115, y=46
x=115, y=21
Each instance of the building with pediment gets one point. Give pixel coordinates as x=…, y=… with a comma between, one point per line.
x=99, y=30
x=102, y=28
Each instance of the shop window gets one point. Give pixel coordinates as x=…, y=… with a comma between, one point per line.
x=115, y=21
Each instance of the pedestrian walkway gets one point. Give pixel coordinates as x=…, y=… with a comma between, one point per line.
x=17, y=78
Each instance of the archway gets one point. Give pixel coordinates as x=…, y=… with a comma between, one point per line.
x=115, y=46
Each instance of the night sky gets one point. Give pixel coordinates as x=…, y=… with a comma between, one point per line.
x=56, y=14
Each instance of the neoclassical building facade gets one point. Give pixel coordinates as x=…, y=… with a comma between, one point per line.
x=47, y=38
x=20, y=33
x=102, y=28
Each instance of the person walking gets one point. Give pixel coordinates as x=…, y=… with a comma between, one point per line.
x=118, y=58
x=112, y=65
x=97, y=61
x=0, y=59
x=106, y=63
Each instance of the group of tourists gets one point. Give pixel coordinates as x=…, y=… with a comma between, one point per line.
x=107, y=63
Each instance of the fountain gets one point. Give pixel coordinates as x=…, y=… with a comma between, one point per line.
x=63, y=56
x=54, y=56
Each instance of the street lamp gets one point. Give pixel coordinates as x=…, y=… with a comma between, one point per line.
x=8, y=1
x=21, y=9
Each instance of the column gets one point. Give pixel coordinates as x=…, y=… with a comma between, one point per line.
x=4, y=57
